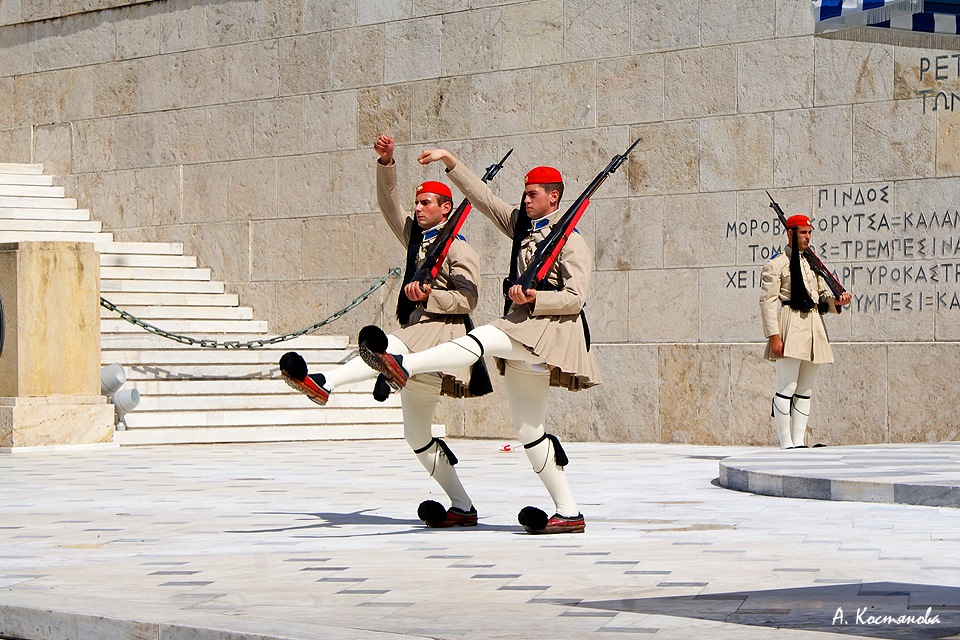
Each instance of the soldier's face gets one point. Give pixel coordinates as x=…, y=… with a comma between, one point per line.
x=539, y=202
x=428, y=212
x=803, y=238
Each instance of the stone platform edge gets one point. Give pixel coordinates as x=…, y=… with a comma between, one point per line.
x=905, y=474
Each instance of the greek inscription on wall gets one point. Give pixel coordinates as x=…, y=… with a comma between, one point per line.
x=891, y=260
x=935, y=70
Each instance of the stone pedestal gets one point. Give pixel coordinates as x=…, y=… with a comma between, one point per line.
x=50, y=362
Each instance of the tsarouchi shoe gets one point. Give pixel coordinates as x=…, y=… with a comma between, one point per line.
x=436, y=517
x=293, y=368
x=372, y=343
x=535, y=521
x=391, y=367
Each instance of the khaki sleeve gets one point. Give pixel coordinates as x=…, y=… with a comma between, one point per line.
x=460, y=275
x=770, y=283
x=503, y=215
x=388, y=199
x=575, y=264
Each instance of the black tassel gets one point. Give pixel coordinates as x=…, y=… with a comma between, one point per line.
x=799, y=296
x=447, y=452
x=559, y=454
x=381, y=390
x=479, y=384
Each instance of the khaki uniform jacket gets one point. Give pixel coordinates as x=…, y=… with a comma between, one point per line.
x=455, y=292
x=804, y=334
x=551, y=327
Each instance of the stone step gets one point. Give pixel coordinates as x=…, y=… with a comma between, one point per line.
x=237, y=388
x=303, y=344
x=25, y=202
x=55, y=236
x=165, y=312
x=143, y=248
x=277, y=400
x=50, y=226
x=308, y=415
x=30, y=191
x=272, y=433
x=215, y=329
x=25, y=178
x=153, y=261
x=124, y=299
x=238, y=358
x=160, y=286
x=27, y=169
x=11, y=213
x=153, y=273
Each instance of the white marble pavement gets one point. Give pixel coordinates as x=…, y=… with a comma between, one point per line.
x=297, y=541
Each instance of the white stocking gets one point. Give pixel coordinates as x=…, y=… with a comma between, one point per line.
x=788, y=370
x=781, y=416
x=527, y=394
x=800, y=414
x=419, y=399
x=463, y=352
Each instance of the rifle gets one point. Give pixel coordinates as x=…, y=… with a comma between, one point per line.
x=548, y=249
x=815, y=263
x=438, y=249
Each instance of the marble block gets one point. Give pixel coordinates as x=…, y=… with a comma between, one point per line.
x=55, y=420
x=50, y=357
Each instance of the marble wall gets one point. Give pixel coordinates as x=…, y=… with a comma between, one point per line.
x=243, y=129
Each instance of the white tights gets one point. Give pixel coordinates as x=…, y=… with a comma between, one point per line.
x=791, y=404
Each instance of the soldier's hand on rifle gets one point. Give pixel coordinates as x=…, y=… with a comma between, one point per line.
x=417, y=292
x=432, y=155
x=776, y=345
x=844, y=298
x=517, y=294
x=384, y=148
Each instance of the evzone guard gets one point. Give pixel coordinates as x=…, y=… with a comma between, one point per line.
x=432, y=309
x=796, y=290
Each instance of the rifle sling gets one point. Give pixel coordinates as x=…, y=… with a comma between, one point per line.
x=405, y=305
x=521, y=229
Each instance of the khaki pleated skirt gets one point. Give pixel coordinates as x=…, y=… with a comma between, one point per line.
x=429, y=330
x=559, y=341
x=804, y=336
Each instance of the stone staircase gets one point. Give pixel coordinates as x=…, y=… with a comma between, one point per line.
x=190, y=394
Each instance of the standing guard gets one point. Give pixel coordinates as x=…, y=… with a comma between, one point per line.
x=792, y=303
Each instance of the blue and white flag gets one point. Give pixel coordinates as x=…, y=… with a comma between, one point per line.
x=917, y=23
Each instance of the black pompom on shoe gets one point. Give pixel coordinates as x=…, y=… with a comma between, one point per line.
x=436, y=517
x=372, y=337
x=431, y=512
x=293, y=365
x=533, y=519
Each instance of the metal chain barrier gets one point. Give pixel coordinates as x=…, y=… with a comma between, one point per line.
x=252, y=344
